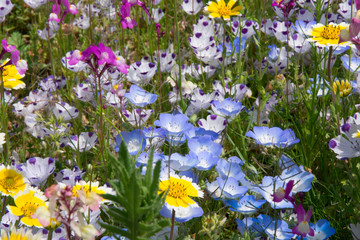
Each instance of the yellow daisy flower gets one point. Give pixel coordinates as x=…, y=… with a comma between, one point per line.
x=19, y=234
x=327, y=35
x=11, y=76
x=221, y=9
x=344, y=87
x=26, y=204
x=11, y=181
x=179, y=190
x=82, y=185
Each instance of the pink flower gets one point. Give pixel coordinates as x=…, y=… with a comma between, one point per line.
x=121, y=65
x=303, y=228
x=106, y=55
x=75, y=57
x=126, y=21
x=281, y=193
x=6, y=46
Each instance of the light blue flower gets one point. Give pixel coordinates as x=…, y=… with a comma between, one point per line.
x=183, y=163
x=207, y=160
x=230, y=187
x=273, y=136
x=246, y=204
x=139, y=97
x=227, y=108
x=263, y=224
x=182, y=214
x=204, y=143
x=273, y=54
x=322, y=230
x=233, y=47
x=271, y=185
x=230, y=169
x=134, y=140
x=353, y=63
x=319, y=86
x=173, y=124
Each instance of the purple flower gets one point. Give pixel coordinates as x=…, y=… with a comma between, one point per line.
x=126, y=21
x=281, y=193
x=106, y=56
x=303, y=228
x=6, y=46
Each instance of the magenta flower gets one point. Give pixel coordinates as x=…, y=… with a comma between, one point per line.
x=281, y=193
x=75, y=57
x=353, y=33
x=106, y=56
x=357, y=4
x=101, y=55
x=285, y=6
x=121, y=65
x=126, y=21
x=61, y=13
x=303, y=228
x=6, y=46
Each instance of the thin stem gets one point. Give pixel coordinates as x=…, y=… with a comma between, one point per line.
x=333, y=95
x=172, y=224
x=3, y=208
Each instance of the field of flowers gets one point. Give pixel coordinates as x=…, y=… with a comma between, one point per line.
x=180, y=119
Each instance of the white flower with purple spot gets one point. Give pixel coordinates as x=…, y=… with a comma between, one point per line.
x=37, y=169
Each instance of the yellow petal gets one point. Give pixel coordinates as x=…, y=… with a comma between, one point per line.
x=171, y=201
x=31, y=222
x=214, y=15
x=231, y=3
x=15, y=210
x=236, y=9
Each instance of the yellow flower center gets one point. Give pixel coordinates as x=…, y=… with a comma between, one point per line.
x=344, y=87
x=224, y=11
x=29, y=208
x=177, y=190
x=331, y=32
x=8, y=183
x=357, y=134
x=11, y=182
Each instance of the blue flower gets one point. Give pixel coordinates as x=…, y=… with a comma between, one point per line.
x=273, y=185
x=206, y=150
x=227, y=107
x=353, y=63
x=230, y=187
x=182, y=214
x=183, y=163
x=277, y=229
x=273, y=54
x=173, y=124
x=204, y=144
x=246, y=205
x=233, y=47
x=139, y=97
x=273, y=136
x=230, y=169
x=134, y=140
x=322, y=230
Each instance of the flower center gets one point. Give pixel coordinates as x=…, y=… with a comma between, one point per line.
x=29, y=208
x=224, y=11
x=343, y=86
x=177, y=190
x=331, y=32
x=304, y=227
x=9, y=182
x=357, y=134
